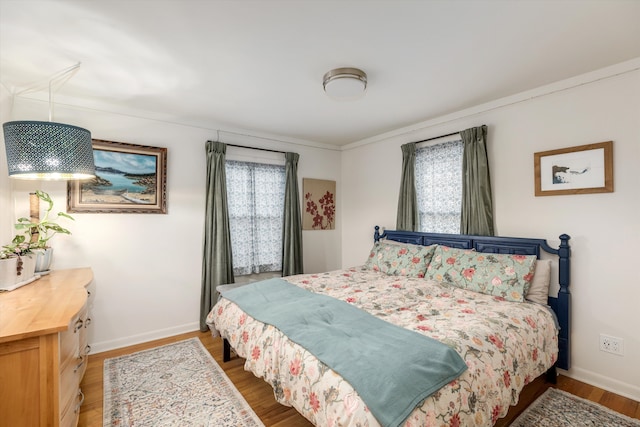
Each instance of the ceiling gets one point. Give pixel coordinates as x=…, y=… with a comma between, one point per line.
x=257, y=66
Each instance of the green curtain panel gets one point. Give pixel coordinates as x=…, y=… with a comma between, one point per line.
x=217, y=262
x=407, y=218
x=292, y=228
x=477, y=202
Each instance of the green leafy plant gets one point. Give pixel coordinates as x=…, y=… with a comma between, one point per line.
x=19, y=246
x=16, y=249
x=46, y=228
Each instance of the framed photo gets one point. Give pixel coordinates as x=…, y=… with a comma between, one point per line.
x=575, y=170
x=319, y=204
x=129, y=178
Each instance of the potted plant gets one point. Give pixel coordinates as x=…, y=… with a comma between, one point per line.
x=17, y=263
x=39, y=233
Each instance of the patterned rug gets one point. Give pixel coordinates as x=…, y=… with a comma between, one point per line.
x=178, y=384
x=556, y=408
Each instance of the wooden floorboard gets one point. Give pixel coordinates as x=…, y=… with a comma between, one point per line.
x=260, y=395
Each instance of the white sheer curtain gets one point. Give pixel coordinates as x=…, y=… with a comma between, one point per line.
x=439, y=186
x=255, y=195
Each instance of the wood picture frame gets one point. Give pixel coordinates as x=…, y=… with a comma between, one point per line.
x=130, y=178
x=583, y=169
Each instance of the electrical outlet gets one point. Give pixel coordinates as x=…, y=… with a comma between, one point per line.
x=611, y=344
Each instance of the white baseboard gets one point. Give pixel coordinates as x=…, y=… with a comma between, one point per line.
x=618, y=387
x=99, y=347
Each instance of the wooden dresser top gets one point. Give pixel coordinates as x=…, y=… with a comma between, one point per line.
x=44, y=306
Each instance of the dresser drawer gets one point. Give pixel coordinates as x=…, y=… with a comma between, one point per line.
x=71, y=413
x=70, y=379
x=83, y=333
x=71, y=340
x=69, y=345
x=73, y=363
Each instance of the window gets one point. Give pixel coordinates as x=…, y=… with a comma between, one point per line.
x=255, y=195
x=439, y=186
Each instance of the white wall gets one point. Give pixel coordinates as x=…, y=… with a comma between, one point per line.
x=148, y=267
x=6, y=213
x=604, y=228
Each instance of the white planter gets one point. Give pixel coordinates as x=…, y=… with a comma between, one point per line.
x=9, y=277
x=43, y=259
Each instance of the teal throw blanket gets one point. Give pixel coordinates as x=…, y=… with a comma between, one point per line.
x=393, y=369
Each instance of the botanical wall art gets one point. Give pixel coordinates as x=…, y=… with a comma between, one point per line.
x=320, y=206
x=129, y=178
x=575, y=170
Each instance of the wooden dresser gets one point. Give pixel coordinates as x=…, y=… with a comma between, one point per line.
x=43, y=349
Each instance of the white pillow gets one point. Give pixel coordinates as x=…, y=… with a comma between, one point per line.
x=539, y=289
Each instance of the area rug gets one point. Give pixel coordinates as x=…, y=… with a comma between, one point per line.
x=178, y=384
x=556, y=408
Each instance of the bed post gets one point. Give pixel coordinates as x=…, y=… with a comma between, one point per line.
x=564, y=303
x=226, y=350
x=376, y=234
x=562, y=307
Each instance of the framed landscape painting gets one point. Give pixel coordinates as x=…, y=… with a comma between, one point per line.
x=575, y=170
x=129, y=178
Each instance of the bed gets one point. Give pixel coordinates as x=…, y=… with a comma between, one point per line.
x=464, y=298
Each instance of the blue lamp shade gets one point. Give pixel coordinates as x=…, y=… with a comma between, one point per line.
x=48, y=151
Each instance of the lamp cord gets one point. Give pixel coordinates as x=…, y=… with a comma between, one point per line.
x=38, y=86
x=57, y=79
x=66, y=74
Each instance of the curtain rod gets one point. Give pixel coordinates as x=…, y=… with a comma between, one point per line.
x=255, y=148
x=438, y=137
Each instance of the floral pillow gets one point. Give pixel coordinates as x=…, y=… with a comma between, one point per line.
x=400, y=259
x=502, y=275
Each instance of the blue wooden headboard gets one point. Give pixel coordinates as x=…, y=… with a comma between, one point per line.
x=561, y=304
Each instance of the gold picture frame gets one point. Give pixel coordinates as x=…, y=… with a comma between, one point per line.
x=130, y=178
x=583, y=169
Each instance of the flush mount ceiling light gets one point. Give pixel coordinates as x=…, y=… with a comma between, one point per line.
x=48, y=150
x=345, y=83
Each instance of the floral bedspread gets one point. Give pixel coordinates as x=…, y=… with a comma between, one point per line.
x=504, y=344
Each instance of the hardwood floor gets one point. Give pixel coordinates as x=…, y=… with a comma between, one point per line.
x=260, y=395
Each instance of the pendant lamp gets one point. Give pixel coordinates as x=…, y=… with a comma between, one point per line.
x=48, y=150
